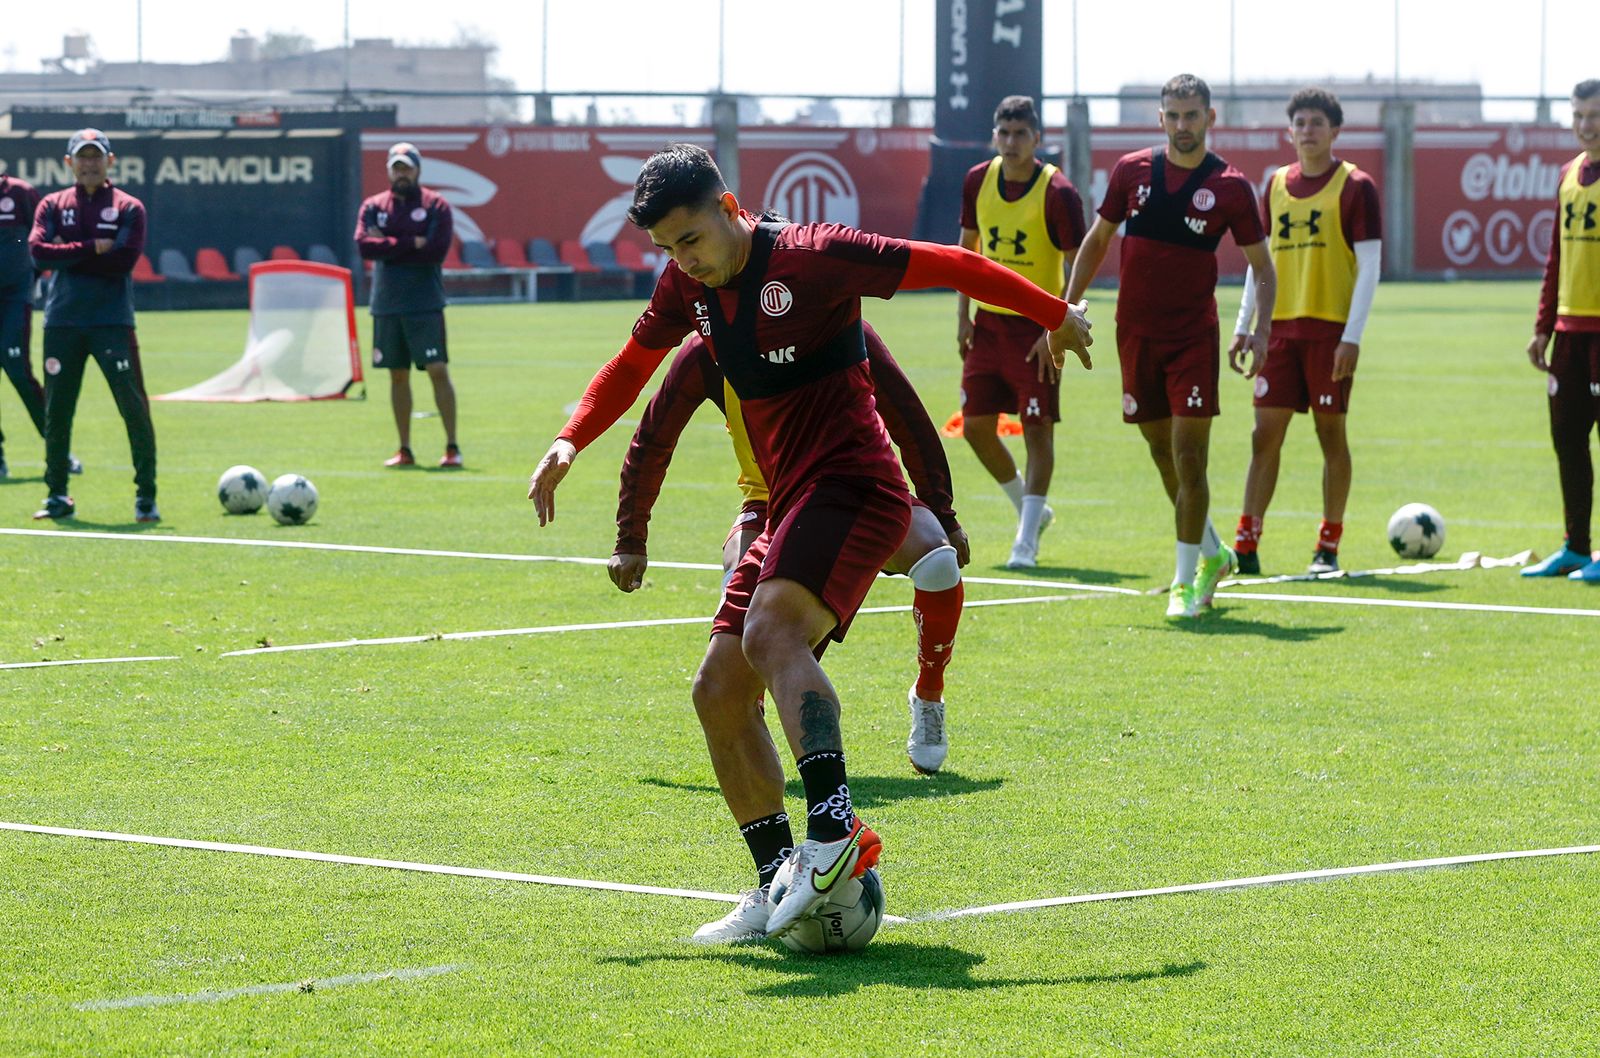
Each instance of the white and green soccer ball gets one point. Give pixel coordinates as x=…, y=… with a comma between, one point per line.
x=292, y=500
x=1416, y=531
x=242, y=489
x=846, y=921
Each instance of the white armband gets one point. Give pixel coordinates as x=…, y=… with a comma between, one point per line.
x=1247, y=304
x=1369, y=262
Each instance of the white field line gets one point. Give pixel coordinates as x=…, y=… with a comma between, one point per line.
x=596, y=626
x=1468, y=560
x=314, y=984
x=364, y=861
x=1263, y=879
x=1411, y=604
x=85, y=661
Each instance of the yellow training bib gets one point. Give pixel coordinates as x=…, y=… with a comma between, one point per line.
x=751, y=481
x=1015, y=233
x=1578, y=228
x=1316, y=266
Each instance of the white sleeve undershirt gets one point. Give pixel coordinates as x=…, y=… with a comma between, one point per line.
x=1369, y=262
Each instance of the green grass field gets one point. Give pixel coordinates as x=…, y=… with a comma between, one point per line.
x=1095, y=746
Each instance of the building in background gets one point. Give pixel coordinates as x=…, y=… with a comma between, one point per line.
x=1260, y=103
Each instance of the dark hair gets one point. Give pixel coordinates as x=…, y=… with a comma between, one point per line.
x=1586, y=89
x=679, y=174
x=1017, y=108
x=1185, y=85
x=1317, y=99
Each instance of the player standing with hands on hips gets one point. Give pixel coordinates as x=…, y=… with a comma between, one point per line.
x=779, y=306
x=1026, y=215
x=406, y=231
x=1569, y=308
x=1324, y=232
x=1177, y=203
x=91, y=236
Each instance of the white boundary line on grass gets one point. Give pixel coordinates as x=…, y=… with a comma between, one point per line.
x=313, y=984
x=85, y=661
x=1263, y=879
x=365, y=861
x=596, y=626
x=1410, y=604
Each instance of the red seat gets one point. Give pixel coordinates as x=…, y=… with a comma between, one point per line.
x=575, y=257
x=144, y=271
x=630, y=256
x=210, y=264
x=509, y=253
x=283, y=253
x=452, y=257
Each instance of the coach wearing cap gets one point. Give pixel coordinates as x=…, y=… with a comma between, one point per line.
x=91, y=235
x=406, y=232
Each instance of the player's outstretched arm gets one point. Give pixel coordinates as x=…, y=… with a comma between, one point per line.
x=627, y=571
x=547, y=475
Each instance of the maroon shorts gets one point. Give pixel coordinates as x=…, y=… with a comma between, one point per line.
x=752, y=514
x=1575, y=374
x=1299, y=375
x=997, y=375
x=1163, y=377
x=833, y=539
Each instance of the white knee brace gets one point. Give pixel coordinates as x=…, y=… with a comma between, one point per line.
x=938, y=570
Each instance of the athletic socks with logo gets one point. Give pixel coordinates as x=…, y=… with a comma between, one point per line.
x=829, y=812
x=770, y=840
x=1248, y=536
x=936, y=609
x=1188, y=562
x=1328, y=534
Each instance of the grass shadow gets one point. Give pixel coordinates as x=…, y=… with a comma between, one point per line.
x=1075, y=573
x=870, y=791
x=892, y=963
x=1219, y=623
x=79, y=522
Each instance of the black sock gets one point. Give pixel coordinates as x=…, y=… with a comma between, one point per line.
x=770, y=840
x=828, y=809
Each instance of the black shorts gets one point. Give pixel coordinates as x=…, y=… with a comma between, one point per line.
x=411, y=339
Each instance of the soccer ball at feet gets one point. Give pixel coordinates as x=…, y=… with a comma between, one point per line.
x=293, y=500
x=242, y=490
x=846, y=921
x=1416, y=531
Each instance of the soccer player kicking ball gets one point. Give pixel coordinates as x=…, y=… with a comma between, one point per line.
x=1324, y=226
x=932, y=555
x=1569, y=307
x=1177, y=203
x=779, y=305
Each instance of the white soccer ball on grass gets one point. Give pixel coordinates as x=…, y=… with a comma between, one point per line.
x=846, y=921
x=292, y=500
x=1416, y=531
x=242, y=489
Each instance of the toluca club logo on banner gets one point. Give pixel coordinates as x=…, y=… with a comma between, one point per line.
x=1486, y=197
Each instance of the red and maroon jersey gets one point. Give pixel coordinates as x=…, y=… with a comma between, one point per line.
x=90, y=289
x=18, y=201
x=1360, y=218
x=406, y=278
x=694, y=378
x=788, y=338
x=1547, y=322
x=1176, y=218
x=1063, y=208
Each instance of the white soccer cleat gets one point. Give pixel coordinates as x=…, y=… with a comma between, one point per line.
x=747, y=921
x=926, y=745
x=1024, y=555
x=1049, y=517
x=813, y=870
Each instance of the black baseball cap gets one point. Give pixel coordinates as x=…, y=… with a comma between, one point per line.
x=88, y=138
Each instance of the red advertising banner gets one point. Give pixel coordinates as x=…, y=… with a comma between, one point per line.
x=1255, y=152
x=577, y=183
x=1486, y=197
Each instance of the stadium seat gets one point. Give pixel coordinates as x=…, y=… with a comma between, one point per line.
x=284, y=253
x=244, y=257
x=573, y=256
x=210, y=264
x=174, y=265
x=542, y=254
x=477, y=255
x=323, y=255
x=630, y=256
x=508, y=253
x=603, y=257
x=452, y=258
x=143, y=272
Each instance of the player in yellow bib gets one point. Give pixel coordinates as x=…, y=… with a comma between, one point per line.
x=1027, y=216
x=1324, y=232
x=1569, y=308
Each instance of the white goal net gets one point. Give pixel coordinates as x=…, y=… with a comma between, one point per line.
x=302, y=341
